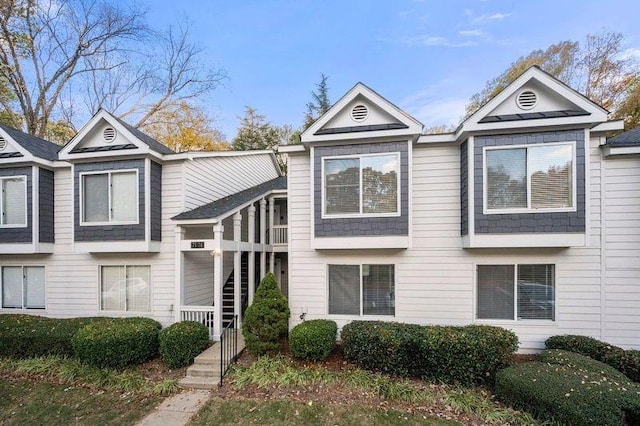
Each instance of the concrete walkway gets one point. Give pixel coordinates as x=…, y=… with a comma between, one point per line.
x=177, y=410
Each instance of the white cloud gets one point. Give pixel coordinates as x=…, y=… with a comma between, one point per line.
x=472, y=33
x=493, y=17
x=424, y=40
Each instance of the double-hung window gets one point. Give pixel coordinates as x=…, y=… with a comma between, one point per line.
x=522, y=292
x=360, y=186
x=124, y=288
x=532, y=178
x=361, y=289
x=23, y=287
x=110, y=197
x=13, y=201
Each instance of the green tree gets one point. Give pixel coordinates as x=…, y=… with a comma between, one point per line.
x=629, y=108
x=319, y=102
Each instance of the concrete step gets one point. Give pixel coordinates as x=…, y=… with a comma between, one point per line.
x=203, y=370
x=199, y=383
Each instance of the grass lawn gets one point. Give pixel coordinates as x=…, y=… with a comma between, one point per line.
x=241, y=412
x=32, y=402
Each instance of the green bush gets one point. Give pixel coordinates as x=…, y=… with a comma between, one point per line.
x=628, y=362
x=28, y=336
x=313, y=340
x=117, y=342
x=266, y=321
x=570, y=388
x=466, y=355
x=181, y=342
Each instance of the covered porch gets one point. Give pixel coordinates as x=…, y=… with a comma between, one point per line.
x=224, y=248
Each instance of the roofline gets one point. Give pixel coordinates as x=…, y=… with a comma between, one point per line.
x=190, y=155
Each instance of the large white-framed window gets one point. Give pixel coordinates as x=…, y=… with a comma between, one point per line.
x=530, y=178
x=365, y=185
x=361, y=290
x=13, y=201
x=109, y=197
x=23, y=287
x=515, y=292
x=125, y=288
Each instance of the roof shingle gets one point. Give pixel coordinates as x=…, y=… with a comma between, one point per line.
x=628, y=138
x=36, y=146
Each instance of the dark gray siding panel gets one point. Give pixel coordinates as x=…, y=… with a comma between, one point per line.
x=464, y=190
x=20, y=235
x=156, y=201
x=110, y=232
x=369, y=226
x=561, y=222
x=46, y=206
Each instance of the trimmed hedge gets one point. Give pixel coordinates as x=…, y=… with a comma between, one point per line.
x=27, y=336
x=181, y=342
x=466, y=355
x=313, y=340
x=570, y=388
x=628, y=362
x=117, y=342
x=266, y=320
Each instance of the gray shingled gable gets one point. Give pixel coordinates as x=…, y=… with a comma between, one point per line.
x=232, y=202
x=153, y=144
x=36, y=146
x=628, y=138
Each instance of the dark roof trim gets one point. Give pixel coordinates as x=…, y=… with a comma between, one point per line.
x=628, y=138
x=352, y=129
x=10, y=155
x=103, y=148
x=232, y=202
x=532, y=116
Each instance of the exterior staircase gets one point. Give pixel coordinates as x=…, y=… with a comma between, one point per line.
x=205, y=371
x=227, y=290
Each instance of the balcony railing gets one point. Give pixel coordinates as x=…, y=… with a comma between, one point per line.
x=201, y=314
x=280, y=235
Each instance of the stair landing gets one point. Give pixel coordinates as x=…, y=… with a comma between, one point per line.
x=205, y=371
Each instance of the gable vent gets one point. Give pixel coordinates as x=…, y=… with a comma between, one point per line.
x=527, y=99
x=3, y=143
x=109, y=134
x=359, y=113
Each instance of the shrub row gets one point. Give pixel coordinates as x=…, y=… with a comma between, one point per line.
x=466, y=355
x=181, y=342
x=570, y=388
x=313, y=340
x=628, y=362
x=27, y=336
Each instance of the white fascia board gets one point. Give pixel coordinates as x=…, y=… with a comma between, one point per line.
x=117, y=247
x=186, y=222
x=190, y=155
x=347, y=243
x=399, y=134
x=88, y=157
x=523, y=240
x=289, y=149
x=610, y=151
x=584, y=120
x=608, y=126
x=26, y=248
x=438, y=138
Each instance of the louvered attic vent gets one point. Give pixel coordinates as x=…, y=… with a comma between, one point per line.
x=109, y=134
x=3, y=143
x=527, y=99
x=359, y=113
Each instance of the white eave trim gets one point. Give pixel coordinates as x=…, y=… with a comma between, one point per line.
x=438, y=138
x=608, y=126
x=610, y=151
x=190, y=155
x=288, y=149
x=117, y=247
x=26, y=248
x=524, y=240
x=374, y=242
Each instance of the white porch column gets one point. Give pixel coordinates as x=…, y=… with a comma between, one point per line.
x=237, y=266
x=271, y=212
x=218, y=230
x=263, y=237
x=179, y=273
x=252, y=256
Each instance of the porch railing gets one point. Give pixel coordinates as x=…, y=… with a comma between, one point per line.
x=228, y=346
x=280, y=234
x=201, y=314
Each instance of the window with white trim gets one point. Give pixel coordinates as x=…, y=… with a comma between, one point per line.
x=362, y=185
x=110, y=197
x=23, y=287
x=530, y=178
x=361, y=289
x=125, y=288
x=523, y=292
x=13, y=201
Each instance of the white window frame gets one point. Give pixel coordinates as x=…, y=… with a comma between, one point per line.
x=515, y=295
x=125, y=266
x=109, y=173
x=23, y=308
x=485, y=208
x=361, y=214
x=361, y=314
x=26, y=203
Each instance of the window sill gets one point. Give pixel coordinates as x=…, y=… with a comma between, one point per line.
x=109, y=223
x=490, y=212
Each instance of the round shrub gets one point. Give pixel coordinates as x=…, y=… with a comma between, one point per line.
x=266, y=321
x=181, y=342
x=313, y=340
x=466, y=355
x=570, y=388
x=117, y=342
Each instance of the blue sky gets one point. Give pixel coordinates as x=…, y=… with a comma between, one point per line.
x=427, y=57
